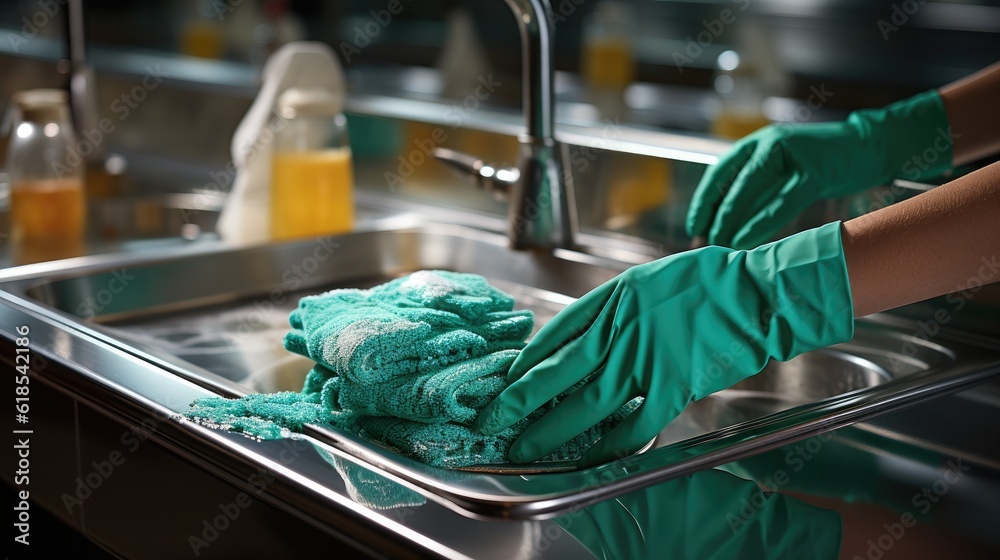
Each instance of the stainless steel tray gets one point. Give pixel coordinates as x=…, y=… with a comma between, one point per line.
x=215, y=319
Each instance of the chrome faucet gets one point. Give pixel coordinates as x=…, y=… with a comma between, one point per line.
x=542, y=211
x=82, y=91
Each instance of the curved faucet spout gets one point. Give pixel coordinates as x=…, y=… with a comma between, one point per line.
x=542, y=212
x=537, y=27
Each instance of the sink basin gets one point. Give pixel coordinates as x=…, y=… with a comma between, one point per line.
x=214, y=320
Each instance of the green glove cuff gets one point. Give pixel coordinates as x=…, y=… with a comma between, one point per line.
x=805, y=276
x=910, y=139
x=792, y=296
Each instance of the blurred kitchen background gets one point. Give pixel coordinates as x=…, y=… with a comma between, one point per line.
x=648, y=91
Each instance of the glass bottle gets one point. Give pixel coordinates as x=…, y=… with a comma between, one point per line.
x=745, y=78
x=608, y=63
x=48, y=206
x=202, y=35
x=741, y=97
x=608, y=60
x=312, y=181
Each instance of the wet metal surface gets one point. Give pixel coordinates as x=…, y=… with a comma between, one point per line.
x=214, y=320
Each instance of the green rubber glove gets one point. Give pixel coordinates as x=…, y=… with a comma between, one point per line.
x=671, y=331
x=706, y=515
x=772, y=175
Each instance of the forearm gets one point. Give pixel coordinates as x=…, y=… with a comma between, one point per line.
x=927, y=246
x=971, y=105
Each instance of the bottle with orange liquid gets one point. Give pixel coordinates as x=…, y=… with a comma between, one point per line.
x=608, y=60
x=744, y=79
x=607, y=63
x=312, y=181
x=741, y=96
x=48, y=205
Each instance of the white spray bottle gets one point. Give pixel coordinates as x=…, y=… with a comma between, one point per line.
x=245, y=217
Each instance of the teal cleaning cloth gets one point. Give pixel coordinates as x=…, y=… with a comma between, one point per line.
x=316, y=378
x=416, y=324
x=264, y=416
x=455, y=393
x=408, y=365
x=453, y=445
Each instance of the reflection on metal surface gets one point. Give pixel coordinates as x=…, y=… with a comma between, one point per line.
x=705, y=516
x=211, y=321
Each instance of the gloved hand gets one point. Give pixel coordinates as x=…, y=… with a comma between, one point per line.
x=772, y=175
x=706, y=515
x=671, y=331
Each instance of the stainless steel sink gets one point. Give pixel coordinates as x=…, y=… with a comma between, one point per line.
x=211, y=322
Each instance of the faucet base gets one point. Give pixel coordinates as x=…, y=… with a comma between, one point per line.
x=542, y=211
